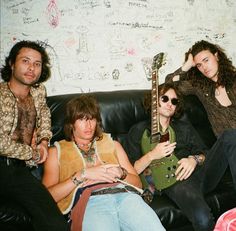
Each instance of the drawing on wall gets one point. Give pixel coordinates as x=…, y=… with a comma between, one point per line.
x=53, y=13
x=103, y=45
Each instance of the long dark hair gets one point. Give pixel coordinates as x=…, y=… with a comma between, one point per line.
x=162, y=89
x=227, y=72
x=82, y=107
x=6, y=71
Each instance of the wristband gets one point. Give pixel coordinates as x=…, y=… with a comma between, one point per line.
x=77, y=181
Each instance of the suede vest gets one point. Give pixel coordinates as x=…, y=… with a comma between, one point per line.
x=71, y=161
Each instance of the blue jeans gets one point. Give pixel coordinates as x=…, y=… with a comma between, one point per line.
x=120, y=212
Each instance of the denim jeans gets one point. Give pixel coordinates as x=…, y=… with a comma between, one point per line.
x=120, y=212
x=18, y=185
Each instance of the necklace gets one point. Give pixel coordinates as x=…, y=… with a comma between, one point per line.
x=88, y=152
x=18, y=97
x=85, y=146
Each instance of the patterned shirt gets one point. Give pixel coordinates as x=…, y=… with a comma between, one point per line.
x=220, y=117
x=9, y=120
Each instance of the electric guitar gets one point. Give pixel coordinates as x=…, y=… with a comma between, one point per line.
x=162, y=170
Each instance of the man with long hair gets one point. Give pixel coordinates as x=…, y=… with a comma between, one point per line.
x=89, y=160
x=210, y=75
x=184, y=143
x=25, y=130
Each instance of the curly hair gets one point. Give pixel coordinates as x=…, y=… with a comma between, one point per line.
x=227, y=72
x=6, y=70
x=82, y=107
x=162, y=89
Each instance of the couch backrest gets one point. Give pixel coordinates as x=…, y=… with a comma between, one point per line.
x=120, y=110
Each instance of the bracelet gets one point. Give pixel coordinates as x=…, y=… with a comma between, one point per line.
x=124, y=173
x=76, y=181
x=194, y=157
x=198, y=158
x=201, y=159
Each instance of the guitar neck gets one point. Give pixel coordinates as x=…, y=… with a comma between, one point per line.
x=155, y=116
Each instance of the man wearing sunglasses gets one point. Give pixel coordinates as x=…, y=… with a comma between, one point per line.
x=187, y=147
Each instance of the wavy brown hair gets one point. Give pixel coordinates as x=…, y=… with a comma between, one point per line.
x=227, y=72
x=162, y=89
x=6, y=70
x=82, y=107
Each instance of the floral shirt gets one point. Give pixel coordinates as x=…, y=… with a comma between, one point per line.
x=9, y=117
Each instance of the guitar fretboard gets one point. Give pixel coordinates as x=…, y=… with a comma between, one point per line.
x=155, y=125
x=155, y=129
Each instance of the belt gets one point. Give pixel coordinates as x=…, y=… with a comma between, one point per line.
x=115, y=190
x=12, y=161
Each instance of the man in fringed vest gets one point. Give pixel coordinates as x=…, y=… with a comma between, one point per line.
x=90, y=177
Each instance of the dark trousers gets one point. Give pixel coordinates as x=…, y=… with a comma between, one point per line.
x=19, y=185
x=221, y=155
x=189, y=194
x=190, y=199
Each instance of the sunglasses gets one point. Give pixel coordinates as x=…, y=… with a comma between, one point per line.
x=165, y=99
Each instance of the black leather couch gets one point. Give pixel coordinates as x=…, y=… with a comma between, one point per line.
x=120, y=110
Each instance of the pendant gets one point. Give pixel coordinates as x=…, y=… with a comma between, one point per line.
x=89, y=154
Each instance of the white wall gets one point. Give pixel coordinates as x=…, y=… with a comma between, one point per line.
x=101, y=45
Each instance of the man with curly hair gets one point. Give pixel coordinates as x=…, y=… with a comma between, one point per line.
x=25, y=130
x=184, y=142
x=210, y=75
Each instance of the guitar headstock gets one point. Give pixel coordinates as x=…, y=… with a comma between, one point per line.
x=158, y=61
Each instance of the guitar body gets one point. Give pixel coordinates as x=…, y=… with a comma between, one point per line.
x=160, y=173
x=162, y=170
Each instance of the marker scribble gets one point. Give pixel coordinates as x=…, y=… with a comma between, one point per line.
x=53, y=14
